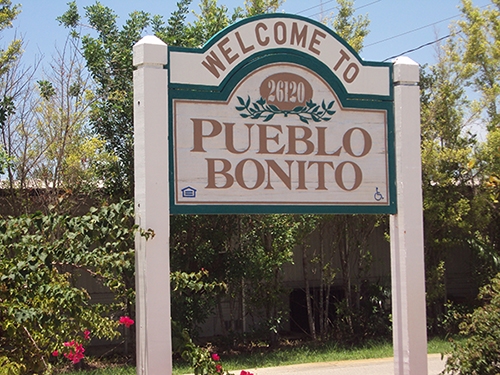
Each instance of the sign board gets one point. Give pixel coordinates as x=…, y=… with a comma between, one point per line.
x=277, y=114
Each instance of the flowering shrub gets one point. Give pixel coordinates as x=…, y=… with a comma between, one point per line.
x=86, y=334
x=40, y=305
x=202, y=360
x=73, y=350
x=126, y=321
x=76, y=351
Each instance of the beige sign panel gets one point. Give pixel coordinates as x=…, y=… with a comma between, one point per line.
x=282, y=137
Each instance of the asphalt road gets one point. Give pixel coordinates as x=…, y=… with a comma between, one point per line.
x=384, y=366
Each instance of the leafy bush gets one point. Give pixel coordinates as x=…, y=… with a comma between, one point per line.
x=193, y=297
x=41, y=305
x=480, y=352
x=370, y=319
x=454, y=314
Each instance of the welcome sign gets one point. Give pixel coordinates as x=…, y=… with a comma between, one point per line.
x=277, y=114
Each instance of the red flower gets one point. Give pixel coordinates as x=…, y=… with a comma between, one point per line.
x=75, y=354
x=55, y=353
x=243, y=372
x=126, y=321
x=218, y=367
x=215, y=357
x=86, y=334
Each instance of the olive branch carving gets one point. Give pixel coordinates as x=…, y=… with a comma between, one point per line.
x=261, y=109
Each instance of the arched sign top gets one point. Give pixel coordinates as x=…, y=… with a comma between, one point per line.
x=266, y=34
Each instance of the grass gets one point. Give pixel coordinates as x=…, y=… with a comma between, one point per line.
x=286, y=355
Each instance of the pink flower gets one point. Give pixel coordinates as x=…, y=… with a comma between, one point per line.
x=218, y=367
x=55, y=353
x=86, y=334
x=243, y=372
x=70, y=343
x=75, y=354
x=126, y=321
x=215, y=357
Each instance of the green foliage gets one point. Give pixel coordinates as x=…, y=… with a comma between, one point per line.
x=193, y=298
x=352, y=29
x=176, y=33
x=481, y=55
x=459, y=172
x=268, y=242
x=46, y=89
x=370, y=319
x=10, y=368
x=7, y=108
x=108, y=57
x=41, y=303
x=9, y=55
x=201, y=360
x=70, y=18
x=4, y=160
x=256, y=7
x=211, y=19
x=480, y=352
x=454, y=211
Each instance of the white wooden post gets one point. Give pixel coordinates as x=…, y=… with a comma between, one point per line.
x=406, y=228
x=154, y=347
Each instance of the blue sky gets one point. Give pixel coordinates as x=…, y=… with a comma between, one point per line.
x=396, y=25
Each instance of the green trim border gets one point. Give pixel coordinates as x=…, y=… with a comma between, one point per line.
x=259, y=60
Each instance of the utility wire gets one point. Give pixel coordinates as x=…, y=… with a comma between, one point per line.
x=419, y=47
x=329, y=9
x=417, y=29
x=315, y=6
x=412, y=31
x=336, y=7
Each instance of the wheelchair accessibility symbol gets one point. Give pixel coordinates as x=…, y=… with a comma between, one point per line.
x=378, y=196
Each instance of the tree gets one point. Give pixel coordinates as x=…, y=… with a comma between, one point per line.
x=9, y=59
x=108, y=58
x=72, y=157
x=480, y=41
x=459, y=170
x=350, y=28
x=11, y=53
x=269, y=241
x=51, y=150
x=480, y=29
x=256, y=7
x=449, y=196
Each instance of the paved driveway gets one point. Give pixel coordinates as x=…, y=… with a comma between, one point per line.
x=383, y=366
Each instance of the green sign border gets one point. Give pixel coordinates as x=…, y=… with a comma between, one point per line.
x=256, y=61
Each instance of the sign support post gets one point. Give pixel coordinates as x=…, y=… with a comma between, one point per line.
x=406, y=228
x=153, y=329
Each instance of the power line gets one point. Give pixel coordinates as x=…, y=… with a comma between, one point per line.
x=364, y=6
x=421, y=46
x=411, y=31
x=315, y=6
x=332, y=8
x=419, y=28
